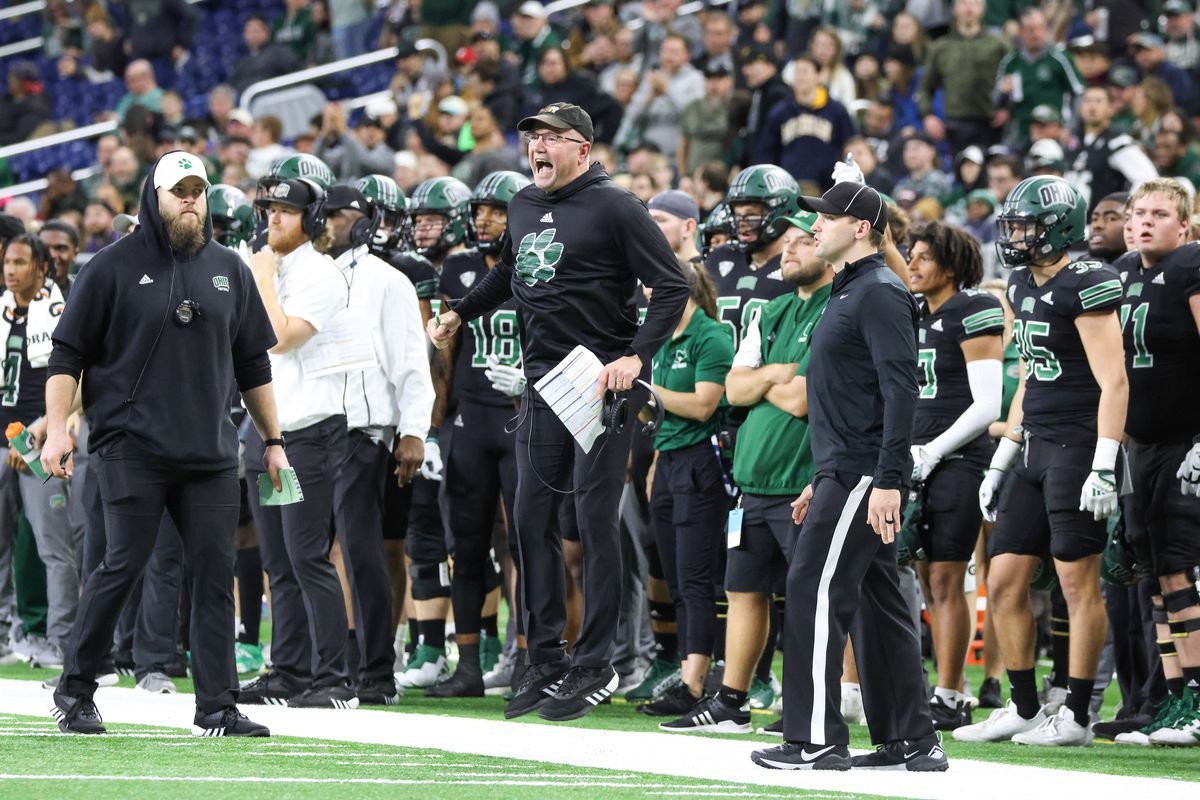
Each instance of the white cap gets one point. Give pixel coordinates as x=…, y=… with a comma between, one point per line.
x=243, y=116
x=1046, y=150
x=406, y=159
x=124, y=223
x=532, y=8
x=175, y=166
x=382, y=107
x=453, y=105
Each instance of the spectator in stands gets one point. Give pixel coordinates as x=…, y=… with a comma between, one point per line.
x=760, y=69
x=1004, y=172
x=161, y=32
x=1183, y=44
x=878, y=177
x=869, y=82
x=807, y=133
x=1091, y=59
x=1174, y=158
x=1039, y=72
x=826, y=50
x=1150, y=54
x=266, y=140
x=190, y=141
x=350, y=23
x=659, y=18
x=558, y=84
x=294, y=29
x=141, y=89
x=1124, y=85
x=654, y=113
x=717, y=49
x=448, y=22
x=907, y=32
x=1105, y=161
x=485, y=19
x=351, y=155
x=62, y=28
x=233, y=153
x=125, y=174
x=491, y=152
x=622, y=58
x=239, y=124
x=322, y=51
x=752, y=24
x=1046, y=123
x=1151, y=100
x=222, y=99
x=102, y=54
x=963, y=64
x=533, y=35
x=969, y=175
x=415, y=80
x=62, y=240
x=98, y=230
x=704, y=126
x=264, y=59
x=598, y=21
x=24, y=106
x=23, y=209
x=900, y=69
x=61, y=196
x=710, y=184
x=500, y=92
x=879, y=129
x=172, y=109
x=922, y=175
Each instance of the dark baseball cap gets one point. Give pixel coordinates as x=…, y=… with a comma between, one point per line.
x=852, y=200
x=296, y=193
x=560, y=116
x=716, y=70
x=756, y=51
x=1123, y=75
x=342, y=196
x=1176, y=7
x=676, y=203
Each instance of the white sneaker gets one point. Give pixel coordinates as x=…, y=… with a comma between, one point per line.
x=1133, y=737
x=498, y=679
x=777, y=705
x=1000, y=726
x=104, y=679
x=156, y=683
x=1060, y=730
x=44, y=654
x=1052, y=697
x=852, y=705
x=1185, y=733
x=969, y=696
x=426, y=667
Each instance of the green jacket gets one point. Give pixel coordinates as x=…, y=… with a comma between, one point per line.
x=703, y=353
x=966, y=70
x=1050, y=79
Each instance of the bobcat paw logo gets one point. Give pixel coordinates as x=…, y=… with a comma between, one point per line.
x=537, y=256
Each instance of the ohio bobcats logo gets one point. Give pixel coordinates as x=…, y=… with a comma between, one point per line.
x=185, y=163
x=221, y=283
x=537, y=256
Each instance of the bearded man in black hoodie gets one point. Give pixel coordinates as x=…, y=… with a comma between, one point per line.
x=575, y=249
x=165, y=325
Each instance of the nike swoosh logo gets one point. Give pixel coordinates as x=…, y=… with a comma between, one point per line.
x=907, y=756
x=805, y=756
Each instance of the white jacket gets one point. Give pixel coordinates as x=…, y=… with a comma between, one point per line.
x=399, y=392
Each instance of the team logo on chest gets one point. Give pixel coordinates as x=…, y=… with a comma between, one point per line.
x=221, y=283
x=725, y=267
x=468, y=278
x=680, y=361
x=537, y=256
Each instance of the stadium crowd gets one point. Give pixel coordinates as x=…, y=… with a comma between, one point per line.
x=979, y=122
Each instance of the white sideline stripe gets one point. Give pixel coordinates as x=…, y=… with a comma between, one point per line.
x=565, y=783
x=566, y=746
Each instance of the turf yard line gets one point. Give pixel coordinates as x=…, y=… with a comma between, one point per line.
x=441, y=781
x=120, y=735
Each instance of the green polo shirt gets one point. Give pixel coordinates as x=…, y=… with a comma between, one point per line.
x=703, y=353
x=773, y=454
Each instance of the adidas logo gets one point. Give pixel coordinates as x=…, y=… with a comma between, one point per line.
x=1159, y=279
x=1048, y=297
x=275, y=701
x=595, y=698
x=145, y=279
x=345, y=704
x=208, y=733
x=548, y=217
x=552, y=689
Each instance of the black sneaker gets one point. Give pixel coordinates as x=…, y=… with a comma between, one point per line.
x=989, y=694
x=1111, y=730
x=774, y=729
x=581, y=690
x=271, y=689
x=123, y=662
x=923, y=755
x=947, y=717
x=802, y=755
x=710, y=715
x=227, y=722
x=76, y=715
x=463, y=683
x=325, y=697
x=538, y=684
x=378, y=693
x=673, y=702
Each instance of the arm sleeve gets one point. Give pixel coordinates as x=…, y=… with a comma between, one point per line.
x=986, y=379
x=888, y=325
x=254, y=337
x=408, y=363
x=749, y=352
x=80, y=330
x=1132, y=162
x=494, y=289
x=651, y=260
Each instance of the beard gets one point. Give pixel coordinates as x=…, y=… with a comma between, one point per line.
x=805, y=274
x=185, y=232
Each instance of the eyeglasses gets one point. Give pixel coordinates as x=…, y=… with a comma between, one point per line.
x=551, y=139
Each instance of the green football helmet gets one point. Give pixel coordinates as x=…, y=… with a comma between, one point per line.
x=387, y=195
x=448, y=198
x=1119, y=565
x=1040, y=219
x=1044, y=577
x=778, y=192
x=719, y=223
x=301, y=165
x=232, y=214
x=910, y=545
x=496, y=189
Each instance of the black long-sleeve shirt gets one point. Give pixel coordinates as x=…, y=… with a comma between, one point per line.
x=573, y=260
x=862, y=376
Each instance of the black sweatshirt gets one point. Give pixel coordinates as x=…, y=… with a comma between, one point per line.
x=573, y=259
x=123, y=302
x=862, y=377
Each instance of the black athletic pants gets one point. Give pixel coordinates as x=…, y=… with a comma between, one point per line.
x=308, y=612
x=842, y=579
x=550, y=462
x=136, y=487
x=358, y=514
x=149, y=625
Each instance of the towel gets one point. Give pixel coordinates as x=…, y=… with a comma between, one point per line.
x=40, y=322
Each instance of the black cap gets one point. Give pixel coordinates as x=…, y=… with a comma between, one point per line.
x=10, y=227
x=188, y=134
x=850, y=199
x=342, y=196
x=758, y=52
x=716, y=70
x=560, y=116
x=902, y=53
x=296, y=193
x=405, y=48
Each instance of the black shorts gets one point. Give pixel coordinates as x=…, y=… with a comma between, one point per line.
x=950, y=514
x=1157, y=514
x=759, y=563
x=1038, y=510
x=396, y=501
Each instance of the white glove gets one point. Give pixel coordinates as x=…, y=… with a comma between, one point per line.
x=989, y=490
x=848, y=171
x=431, y=467
x=507, y=380
x=1189, y=472
x=1099, y=494
x=924, y=460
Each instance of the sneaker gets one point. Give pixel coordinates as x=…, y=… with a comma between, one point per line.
x=490, y=648
x=18, y=643
x=248, y=657
x=271, y=689
x=774, y=729
x=537, y=685
x=7, y=656
x=1184, y=730
x=498, y=680
x=802, y=755
x=325, y=697
x=710, y=715
x=852, y=705
x=463, y=683
x=673, y=702
x=379, y=693
x=156, y=683
x=923, y=755
x=581, y=690
x=105, y=679
x=426, y=667
x=716, y=675
x=1060, y=730
x=1167, y=713
x=1051, y=697
x=1111, y=730
x=1002, y=725
x=228, y=722
x=762, y=693
x=990, y=695
x=44, y=654
x=947, y=717
x=660, y=676
x=76, y=715
x=971, y=700
x=123, y=660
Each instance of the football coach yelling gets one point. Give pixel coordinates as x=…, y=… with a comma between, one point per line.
x=164, y=327
x=575, y=249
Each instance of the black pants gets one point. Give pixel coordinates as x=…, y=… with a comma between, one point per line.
x=358, y=514
x=480, y=469
x=689, y=507
x=549, y=459
x=842, y=579
x=136, y=488
x=308, y=613
x=149, y=624
x=960, y=133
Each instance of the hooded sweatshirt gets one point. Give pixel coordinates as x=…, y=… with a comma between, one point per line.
x=573, y=259
x=166, y=386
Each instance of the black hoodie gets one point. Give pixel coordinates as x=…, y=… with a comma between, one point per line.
x=573, y=259
x=166, y=386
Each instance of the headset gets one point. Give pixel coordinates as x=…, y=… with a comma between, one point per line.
x=364, y=229
x=313, y=221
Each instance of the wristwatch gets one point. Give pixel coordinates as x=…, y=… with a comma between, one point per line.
x=275, y=443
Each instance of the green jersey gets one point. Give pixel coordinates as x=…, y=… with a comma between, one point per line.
x=772, y=455
x=1048, y=79
x=701, y=354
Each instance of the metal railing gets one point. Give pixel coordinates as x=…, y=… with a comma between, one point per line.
x=74, y=135
x=34, y=42
x=29, y=187
x=21, y=10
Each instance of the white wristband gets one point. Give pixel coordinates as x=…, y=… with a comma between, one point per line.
x=1006, y=451
x=1106, y=454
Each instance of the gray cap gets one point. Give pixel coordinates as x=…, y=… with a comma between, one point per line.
x=676, y=203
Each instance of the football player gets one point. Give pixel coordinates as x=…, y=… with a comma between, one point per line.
x=393, y=239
